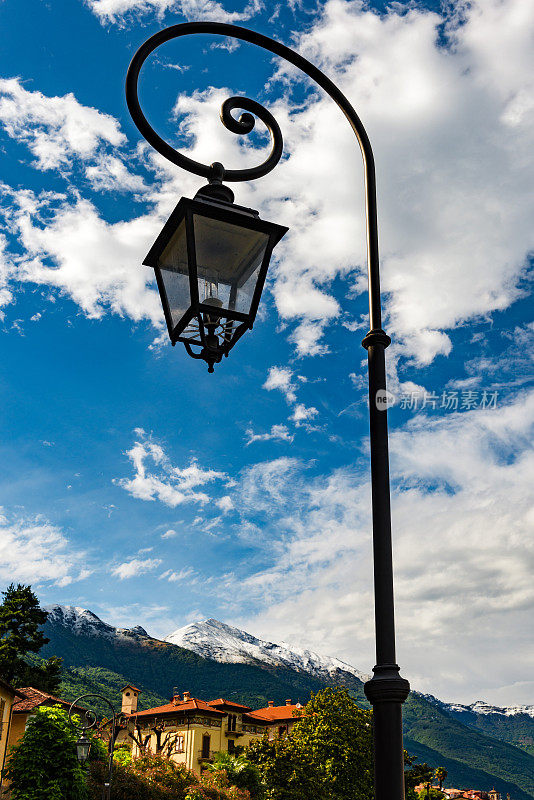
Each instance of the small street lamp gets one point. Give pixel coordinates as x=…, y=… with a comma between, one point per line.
x=83, y=744
x=211, y=260
x=83, y=748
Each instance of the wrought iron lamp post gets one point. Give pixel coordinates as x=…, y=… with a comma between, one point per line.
x=211, y=322
x=83, y=745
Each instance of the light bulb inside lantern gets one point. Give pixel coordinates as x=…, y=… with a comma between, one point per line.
x=211, y=298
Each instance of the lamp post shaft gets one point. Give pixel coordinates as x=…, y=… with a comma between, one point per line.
x=386, y=690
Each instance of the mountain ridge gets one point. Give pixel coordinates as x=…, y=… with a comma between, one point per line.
x=97, y=654
x=221, y=642
x=223, y=649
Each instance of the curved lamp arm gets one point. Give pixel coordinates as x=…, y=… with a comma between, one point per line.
x=245, y=124
x=90, y=715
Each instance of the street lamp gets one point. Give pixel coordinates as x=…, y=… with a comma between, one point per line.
x=210, y=260
x=386, y=691
x=83, y=744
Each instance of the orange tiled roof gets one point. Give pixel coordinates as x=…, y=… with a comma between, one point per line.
x=222, y=702
x=194, y=704
x=35, y=698
x=130, y=686
x=276, y=713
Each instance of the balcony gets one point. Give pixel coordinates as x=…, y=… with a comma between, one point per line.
x=236, y=731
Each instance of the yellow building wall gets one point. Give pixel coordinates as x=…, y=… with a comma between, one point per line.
x=6, y=703
x=18, y=726
x=16, y=732
x=193, y=737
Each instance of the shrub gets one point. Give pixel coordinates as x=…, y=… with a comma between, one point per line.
x=240, y=772
x=146, y=778
x=44, y=762
x=216, y=786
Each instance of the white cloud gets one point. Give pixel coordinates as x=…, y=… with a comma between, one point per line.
x=116, y=10
x=225, y=503
x=6, y=295
x=171, y=533
x=281, y=378
x=264, y=485
x=58, y=130
x=37, y=552
x=170, y=485
x=301, y=415
x=134, y=567
x=280, y=432
x=176, y=577
x=462, y=516
x=70, y=247
x=109, y=173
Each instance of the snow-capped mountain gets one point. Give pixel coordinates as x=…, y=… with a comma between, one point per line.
x=83, y=622
x=223, y=643
x=481, y=707
x=220, y=642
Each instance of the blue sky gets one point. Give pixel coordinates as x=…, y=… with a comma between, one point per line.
x=135, y=484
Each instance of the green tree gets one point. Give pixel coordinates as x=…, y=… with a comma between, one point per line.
x=44, y=762
x=329, y=753
x=240, y=772
x=414, y=775
x=440, y=774
x=286, y=770
x=41, y=674
x=20, y=619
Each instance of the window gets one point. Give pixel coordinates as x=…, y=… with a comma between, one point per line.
x=206, y=740
x=232, y=722
x=179, y=744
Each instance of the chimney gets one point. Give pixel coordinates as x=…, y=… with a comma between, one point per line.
x=175, y=696
x=187, y=696
x=288, y=702
x=270, y=703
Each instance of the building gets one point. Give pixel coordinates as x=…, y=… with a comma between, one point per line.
x=280, y=719
x=469, y=794
x=189, y=730
x=8, y=697
x=31, y=700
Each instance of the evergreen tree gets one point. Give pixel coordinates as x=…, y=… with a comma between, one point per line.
x=42, y=674
x=20, y=618
x=44, y=763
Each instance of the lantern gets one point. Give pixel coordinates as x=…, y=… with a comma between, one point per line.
x=210, y=260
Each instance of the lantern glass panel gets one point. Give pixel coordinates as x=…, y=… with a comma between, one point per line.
x=83, y=748
x=175, y=273
x=229, y=258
